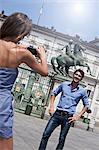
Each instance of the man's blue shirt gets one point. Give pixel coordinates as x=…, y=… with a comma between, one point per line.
x=70, y=98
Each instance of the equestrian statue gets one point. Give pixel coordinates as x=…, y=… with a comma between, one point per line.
x=69, y=59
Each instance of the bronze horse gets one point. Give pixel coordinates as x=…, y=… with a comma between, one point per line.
x=69, y=60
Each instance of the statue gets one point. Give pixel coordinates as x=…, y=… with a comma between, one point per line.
x=69, y=59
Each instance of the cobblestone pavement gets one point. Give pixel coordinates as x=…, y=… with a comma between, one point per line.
x=28, y=131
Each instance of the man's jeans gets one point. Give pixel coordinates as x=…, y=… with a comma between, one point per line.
x=56, y=120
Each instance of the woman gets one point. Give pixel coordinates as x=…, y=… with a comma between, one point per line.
x=15, y=28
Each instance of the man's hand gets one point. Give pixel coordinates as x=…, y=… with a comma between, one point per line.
x=74, y=118
x=51, y=110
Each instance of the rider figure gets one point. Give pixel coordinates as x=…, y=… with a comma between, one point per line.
x=70, y=54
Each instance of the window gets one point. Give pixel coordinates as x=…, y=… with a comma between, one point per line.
x=97, y=98
x=60, y=46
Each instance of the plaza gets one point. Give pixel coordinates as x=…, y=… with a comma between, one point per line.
x=28, y=132
x=65, y=52
x=33, y=89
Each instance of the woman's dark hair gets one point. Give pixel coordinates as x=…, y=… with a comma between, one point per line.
x=16, y=25
x=81, y=72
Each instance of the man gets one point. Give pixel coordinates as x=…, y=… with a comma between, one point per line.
x=71, y=93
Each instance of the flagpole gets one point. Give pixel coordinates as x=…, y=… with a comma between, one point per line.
x=40, y=13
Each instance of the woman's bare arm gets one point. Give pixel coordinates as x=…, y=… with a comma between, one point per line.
x=40, y=67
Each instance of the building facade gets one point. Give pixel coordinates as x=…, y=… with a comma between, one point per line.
x=33, y=89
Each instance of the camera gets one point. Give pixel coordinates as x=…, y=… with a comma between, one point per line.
x=32, y=50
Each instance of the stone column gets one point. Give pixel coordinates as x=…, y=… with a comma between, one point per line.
x=94, y=109
x=28, y=91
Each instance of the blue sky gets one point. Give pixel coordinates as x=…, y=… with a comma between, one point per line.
x=67, y=16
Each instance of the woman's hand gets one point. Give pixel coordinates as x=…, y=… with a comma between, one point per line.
x=41, y=52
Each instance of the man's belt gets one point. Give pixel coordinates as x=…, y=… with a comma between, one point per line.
x=63, y=113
